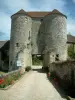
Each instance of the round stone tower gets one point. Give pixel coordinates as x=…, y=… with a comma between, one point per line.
x=55, y=37
x=20, y=41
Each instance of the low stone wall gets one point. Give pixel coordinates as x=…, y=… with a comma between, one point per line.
x=11, y=73
x=65, y=71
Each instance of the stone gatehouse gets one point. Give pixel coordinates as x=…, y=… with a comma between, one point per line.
x=35, y=33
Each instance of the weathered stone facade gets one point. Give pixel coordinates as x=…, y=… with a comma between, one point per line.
x=55, y=36
x=20, y=42
x=41, y=35
x=65, y=71
x=36, y=22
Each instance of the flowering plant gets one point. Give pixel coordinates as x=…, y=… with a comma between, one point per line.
x=9, y=79
x=1, y=81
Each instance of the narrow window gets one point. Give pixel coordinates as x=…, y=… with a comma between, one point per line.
x=28, y=46
x=41, y=20
x=57, y=57
x=29, y=36
x=31, y=43
x=17, y=44
x=53, y=55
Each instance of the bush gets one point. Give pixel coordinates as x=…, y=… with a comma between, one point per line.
x=28, y=68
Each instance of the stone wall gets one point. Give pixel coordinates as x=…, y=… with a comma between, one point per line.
x=41, y=38
x=48, y=58
x=65, y=70
x=36, y=22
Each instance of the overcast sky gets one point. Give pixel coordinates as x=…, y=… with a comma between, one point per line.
x=9, y=7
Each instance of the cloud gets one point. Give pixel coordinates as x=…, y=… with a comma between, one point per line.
x=9, y=7
x=15, y=5
x=5, y=24
x=4, y=36
x=53, y=4
x=73, y=1
x=1, y=33
x=28, y=5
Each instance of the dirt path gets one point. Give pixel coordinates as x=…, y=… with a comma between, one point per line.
x=33, y=86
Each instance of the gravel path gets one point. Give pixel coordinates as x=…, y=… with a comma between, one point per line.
x=32, y=86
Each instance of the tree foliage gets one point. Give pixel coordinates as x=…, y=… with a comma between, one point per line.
x=36, y=60
x=71, y=52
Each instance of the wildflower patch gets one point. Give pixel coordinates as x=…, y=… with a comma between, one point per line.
x=10, y=78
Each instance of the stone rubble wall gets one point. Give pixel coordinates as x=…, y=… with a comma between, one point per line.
x=64, y=70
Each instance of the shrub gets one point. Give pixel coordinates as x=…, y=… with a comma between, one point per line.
x=28, y=68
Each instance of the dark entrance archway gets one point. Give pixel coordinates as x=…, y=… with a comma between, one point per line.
x=37, y=59
x=37, y=63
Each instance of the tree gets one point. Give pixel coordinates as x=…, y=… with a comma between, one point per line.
x=71, y=52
